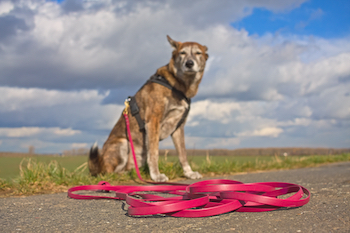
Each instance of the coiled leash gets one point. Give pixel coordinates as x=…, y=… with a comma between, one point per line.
x=200, y=199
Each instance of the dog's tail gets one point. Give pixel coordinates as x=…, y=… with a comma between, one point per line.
x=94, y=160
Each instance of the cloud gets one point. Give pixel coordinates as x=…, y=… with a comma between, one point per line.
x=65, y=109
x=314, y=15
x=20, y=98
x=81, y=50
x=45, y=139
x=33, y=131
x=79, y=145
x=213, y=111
x=317, y=76
x=68, y=67
x=265, y=132
x=10, y=26
x=6, y=7
x=53, y=119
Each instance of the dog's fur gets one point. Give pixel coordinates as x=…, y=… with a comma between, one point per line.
x=161, y=109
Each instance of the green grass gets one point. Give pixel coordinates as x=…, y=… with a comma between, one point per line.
x=9, y=166
x=45, y=174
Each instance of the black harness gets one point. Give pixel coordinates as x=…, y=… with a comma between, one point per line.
x=135, y=111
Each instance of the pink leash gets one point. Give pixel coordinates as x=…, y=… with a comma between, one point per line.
x=201, y=199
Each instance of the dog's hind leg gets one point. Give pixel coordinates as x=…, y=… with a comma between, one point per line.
x=123, y=156
x=115, y=155
x=140, y=157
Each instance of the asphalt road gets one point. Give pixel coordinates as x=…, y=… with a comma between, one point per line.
x=327, y=211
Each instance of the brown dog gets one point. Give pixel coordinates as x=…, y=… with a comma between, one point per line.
x=163, y=111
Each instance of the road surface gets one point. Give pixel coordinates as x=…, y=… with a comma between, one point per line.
x=327, y=211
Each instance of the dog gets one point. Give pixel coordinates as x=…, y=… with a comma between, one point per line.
x=163, y=111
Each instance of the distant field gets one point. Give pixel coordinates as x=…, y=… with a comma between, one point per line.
x=9, y=165
x=200, y=159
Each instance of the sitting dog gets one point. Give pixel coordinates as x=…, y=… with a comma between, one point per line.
x=159, y=109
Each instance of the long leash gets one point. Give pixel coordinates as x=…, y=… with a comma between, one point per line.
x=200, y=199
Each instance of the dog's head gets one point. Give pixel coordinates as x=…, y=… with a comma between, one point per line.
x=188, y=58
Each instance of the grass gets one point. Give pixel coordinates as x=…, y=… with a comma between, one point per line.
x=9, y=165
x=45, y=174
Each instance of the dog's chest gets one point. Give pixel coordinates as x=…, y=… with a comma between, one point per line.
x=173, y=114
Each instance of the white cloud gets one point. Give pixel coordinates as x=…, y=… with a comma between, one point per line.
x=265, y=132
x=67, y=109
x=79, y=145
x=33, y=131
x=14, y=98
x=315, y=77
x=19, y=132
x=204, y=142
x=53, y=119
x=6, y=7
x=296, y=122
x=65, y=132
x=213, y=111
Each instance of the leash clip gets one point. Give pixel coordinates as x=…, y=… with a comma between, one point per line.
x=127, y=105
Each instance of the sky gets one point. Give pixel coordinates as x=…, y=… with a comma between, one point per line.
x=278, y=72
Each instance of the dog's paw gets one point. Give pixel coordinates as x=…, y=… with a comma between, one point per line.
x=160, y=178
x=193, y=175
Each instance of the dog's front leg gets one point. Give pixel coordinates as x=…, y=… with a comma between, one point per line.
x=152, y=139
x=179, y=141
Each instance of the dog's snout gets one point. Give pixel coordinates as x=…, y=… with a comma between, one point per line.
x=189, y=64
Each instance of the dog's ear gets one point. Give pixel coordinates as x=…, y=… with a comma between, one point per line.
x=173, y=43
x=206, y=55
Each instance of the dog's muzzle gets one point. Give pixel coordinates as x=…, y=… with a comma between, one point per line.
x=189, y=64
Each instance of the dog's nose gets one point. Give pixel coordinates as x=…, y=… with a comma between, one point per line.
x=189, y=64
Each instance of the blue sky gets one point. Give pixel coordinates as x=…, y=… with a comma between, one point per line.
x=322, y=18
x=277, y=76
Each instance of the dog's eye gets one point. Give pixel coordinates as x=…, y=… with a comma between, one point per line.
x=183, y=53
x=198, y=53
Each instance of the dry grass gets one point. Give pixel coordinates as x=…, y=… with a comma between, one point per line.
x=39, y=177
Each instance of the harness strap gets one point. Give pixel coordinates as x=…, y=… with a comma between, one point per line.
x=135, y=111
x=162, y=81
